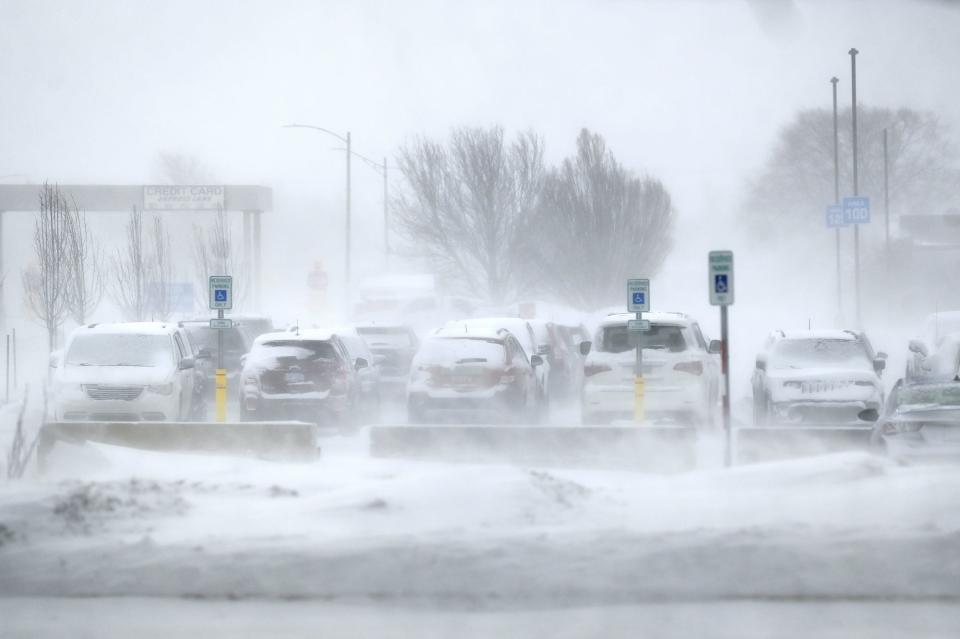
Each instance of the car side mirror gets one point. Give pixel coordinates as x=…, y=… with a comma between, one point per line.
x=585, y=348
x=869, y=415
x=716, y=346
x=361, y=363
x=536, y=360
x=879, y=364
x=761, y=364
x=918, y=347
x=186, y=364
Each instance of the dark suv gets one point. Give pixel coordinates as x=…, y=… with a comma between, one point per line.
x=393, y=347
x=304, y=375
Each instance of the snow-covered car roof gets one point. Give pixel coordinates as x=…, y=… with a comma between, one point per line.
x=306, y=335
x=460, y=329
x=655, y=317
x=134, y=328
x=834, y=334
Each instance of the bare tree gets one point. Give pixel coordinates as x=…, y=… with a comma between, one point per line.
x=213, y=254
x=46, y=284
x=788, y=197
x=181, y=168
x=465, y=203
x=85, y=286
x=160, y=271
x=131, y=271
x=596, y=224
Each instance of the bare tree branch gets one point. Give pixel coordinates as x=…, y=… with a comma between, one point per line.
x=46, y=284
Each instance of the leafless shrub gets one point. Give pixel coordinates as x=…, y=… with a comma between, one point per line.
x=131, y=271
x=85, y=284
x=20, y=453
x=47, y=283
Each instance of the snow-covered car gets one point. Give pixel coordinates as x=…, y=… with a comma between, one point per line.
x=681, y=376
x=368, y=376
x=921, y=419
x=305, y=375
x=476, y=374
x=526, y=335
x=140, y=371
x=206, y=341
x=934, y=330
x=393, y=347
x=826, y=377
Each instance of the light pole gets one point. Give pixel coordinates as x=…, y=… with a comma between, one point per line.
x=836, y=193
x=345, y=140
x=382, y=169
x=856, y=182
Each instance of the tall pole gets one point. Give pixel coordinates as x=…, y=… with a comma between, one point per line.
x=346, y=292
x=725, y=372
x=386, y=215
x=886, y=196
x=856, y=182
x=836, y=194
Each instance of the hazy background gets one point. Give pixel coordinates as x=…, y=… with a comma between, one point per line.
x=691, y=92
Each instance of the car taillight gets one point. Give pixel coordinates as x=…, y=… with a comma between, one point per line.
x=694, y=368
x=593, y=369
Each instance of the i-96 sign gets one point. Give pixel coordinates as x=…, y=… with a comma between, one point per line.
x=856, y=210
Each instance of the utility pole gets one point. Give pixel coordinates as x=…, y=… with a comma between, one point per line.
x=346, y=292
x=856, y=183
x=836, y=193
x=386, y=215
x=886, y=197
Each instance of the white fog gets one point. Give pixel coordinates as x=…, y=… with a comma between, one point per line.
x=469, y=434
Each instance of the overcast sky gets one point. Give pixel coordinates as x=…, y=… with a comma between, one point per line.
x=692, y=92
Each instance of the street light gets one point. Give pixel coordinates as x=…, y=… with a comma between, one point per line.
x=345, y=140
x=382, y=169
x=856, y=184
x=836, y=193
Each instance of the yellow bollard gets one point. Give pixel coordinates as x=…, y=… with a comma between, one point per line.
x=221, y=394
x=638, y=408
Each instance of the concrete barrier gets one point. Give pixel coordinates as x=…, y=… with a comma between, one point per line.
x=295, y=441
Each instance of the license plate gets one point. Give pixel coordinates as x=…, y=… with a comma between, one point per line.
x=293, y=378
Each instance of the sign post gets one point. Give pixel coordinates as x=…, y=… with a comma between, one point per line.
x=221, y=299
x=638, y=301
x=720, y=285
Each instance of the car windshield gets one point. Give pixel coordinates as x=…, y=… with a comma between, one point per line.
x=203, y=336
x=120, y=349
x=819, y=353
x=616, y=339
x=384, y=337
x=447, y=351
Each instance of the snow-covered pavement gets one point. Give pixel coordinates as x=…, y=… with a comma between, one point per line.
x=354, y=531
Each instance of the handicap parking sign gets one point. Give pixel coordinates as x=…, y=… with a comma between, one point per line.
x=720, y=284
x=220, y=294
x=639, y=298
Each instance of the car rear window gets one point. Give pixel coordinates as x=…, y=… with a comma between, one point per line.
x=819, y=353
x=448, y=351
x=386, y=337
x=615, y=339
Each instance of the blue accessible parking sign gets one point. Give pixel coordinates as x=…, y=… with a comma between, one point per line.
x=720, y=284
x=220, y=294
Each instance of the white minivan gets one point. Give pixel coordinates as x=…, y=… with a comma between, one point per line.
x=140, y=371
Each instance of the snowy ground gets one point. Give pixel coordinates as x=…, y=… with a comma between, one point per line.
x=428, y=545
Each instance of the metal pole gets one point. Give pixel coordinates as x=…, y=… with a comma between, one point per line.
x=886, y=196
x=836, y=194
x=346, y=291
x=386, y=215
x=8, y=369
x=14, y=360
x=725, y=369
x=638, y=384
x=856, y=182
x=221, y=376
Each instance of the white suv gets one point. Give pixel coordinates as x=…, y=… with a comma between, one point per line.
x=125, y=372
x=681, y=373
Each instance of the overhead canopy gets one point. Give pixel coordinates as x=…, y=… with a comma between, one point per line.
x=101, y=197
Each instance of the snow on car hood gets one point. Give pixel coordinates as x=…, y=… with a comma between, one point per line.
x=132, y=375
